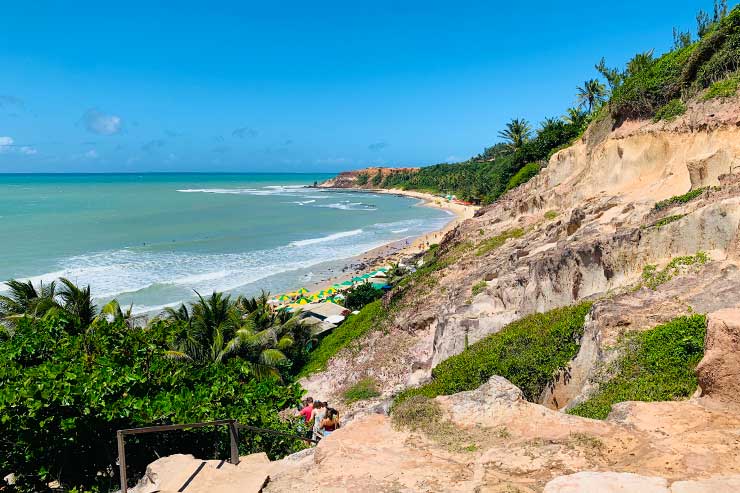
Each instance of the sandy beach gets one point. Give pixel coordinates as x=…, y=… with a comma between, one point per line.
x=391, y=253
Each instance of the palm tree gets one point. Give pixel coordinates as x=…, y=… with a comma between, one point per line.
x=78, y=303
x=640, y=62
x=576, y=117
x=591, y=94
x=217, y=328
x=516, y=133
x=25, y=300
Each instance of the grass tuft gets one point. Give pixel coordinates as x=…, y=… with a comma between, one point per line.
x=365, y=389
x=491, y=244
x=679, y=199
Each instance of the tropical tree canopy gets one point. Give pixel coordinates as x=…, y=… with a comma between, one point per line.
x=591, y=94
x=516, y=133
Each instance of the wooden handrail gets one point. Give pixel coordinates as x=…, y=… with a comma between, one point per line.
x=233, y=425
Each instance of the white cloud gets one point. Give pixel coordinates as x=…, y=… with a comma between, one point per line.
x=92, y=154
x=100, y=123
x=7, y=144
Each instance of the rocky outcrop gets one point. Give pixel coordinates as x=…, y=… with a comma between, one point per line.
x=719, y=370
x=178, y=472
x=491, y=439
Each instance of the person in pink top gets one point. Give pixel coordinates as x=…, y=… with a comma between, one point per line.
x=307, y=409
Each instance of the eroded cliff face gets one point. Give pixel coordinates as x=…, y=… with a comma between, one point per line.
x=350, y=179
x=585, y=228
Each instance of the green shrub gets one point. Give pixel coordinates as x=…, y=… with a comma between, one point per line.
x=672, y=110
x=365, y=389
x=361, y=295
x=491, y=244
x=667, y=220
x=550, y=215
x=726, y=88
x=377, y=179
x=657, y=365
x=643, y=93
x=479, y=287
x=652, y=278
x=362, y=179
x=523, y=176
x=528, y=352
x=679, y=199
x=370, y=318
x=63, y=396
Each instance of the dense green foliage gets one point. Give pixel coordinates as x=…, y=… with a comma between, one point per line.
x=672, y=110
x=657, y=365
x=679, y=199
x=528, y=352
x=371, y=317
x=522, y=176
x=365, y=389
x=682, y=72
x=361, y=295
x=362, y=179
x=63, y=395
x=723, y=89
x=485, y=181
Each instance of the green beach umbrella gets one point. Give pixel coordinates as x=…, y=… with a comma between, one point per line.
x=347, y=283
x=283, y=297
x=358, y=279
x=302, y=291
x=303, y=301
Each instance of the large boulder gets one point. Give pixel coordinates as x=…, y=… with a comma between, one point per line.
x=719, y=370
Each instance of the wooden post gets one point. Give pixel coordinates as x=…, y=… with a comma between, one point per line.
x=122, y=461
x=234, y=442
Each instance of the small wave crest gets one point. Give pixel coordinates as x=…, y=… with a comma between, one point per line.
x=324, y=239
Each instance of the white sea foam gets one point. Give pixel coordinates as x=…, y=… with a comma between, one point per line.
x=396, y=231
x=324, y=239
x=346, y=205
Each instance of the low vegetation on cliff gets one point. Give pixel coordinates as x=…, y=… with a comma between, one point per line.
x=657, y=365
x=528, y=352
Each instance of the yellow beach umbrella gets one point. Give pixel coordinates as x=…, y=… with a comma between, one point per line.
x=302, y=291
x=330, y=290
x=303, y=301
x=283, y=297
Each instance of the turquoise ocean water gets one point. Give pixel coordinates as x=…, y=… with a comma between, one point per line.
x=151, y=239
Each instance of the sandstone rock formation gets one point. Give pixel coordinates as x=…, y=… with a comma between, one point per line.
x=494, y=440
x=719, y=371
x=606, y=231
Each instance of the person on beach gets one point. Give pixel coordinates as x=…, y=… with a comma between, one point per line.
x=330, y=422
x=317, y=415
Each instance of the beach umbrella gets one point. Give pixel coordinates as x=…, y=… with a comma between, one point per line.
x=347, y=283
x=384, y=269
x=378, y=285
x=358, y=279
x=302, y=301
x=302, y=291
x=314, y=297
x=292, y=294
x=330, y=290
x=283, y=297
x=366, y=276
x=339, y=297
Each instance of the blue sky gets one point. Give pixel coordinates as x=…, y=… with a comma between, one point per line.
x=296, y=86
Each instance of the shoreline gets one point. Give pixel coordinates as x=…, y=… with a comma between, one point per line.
x=394, y=251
